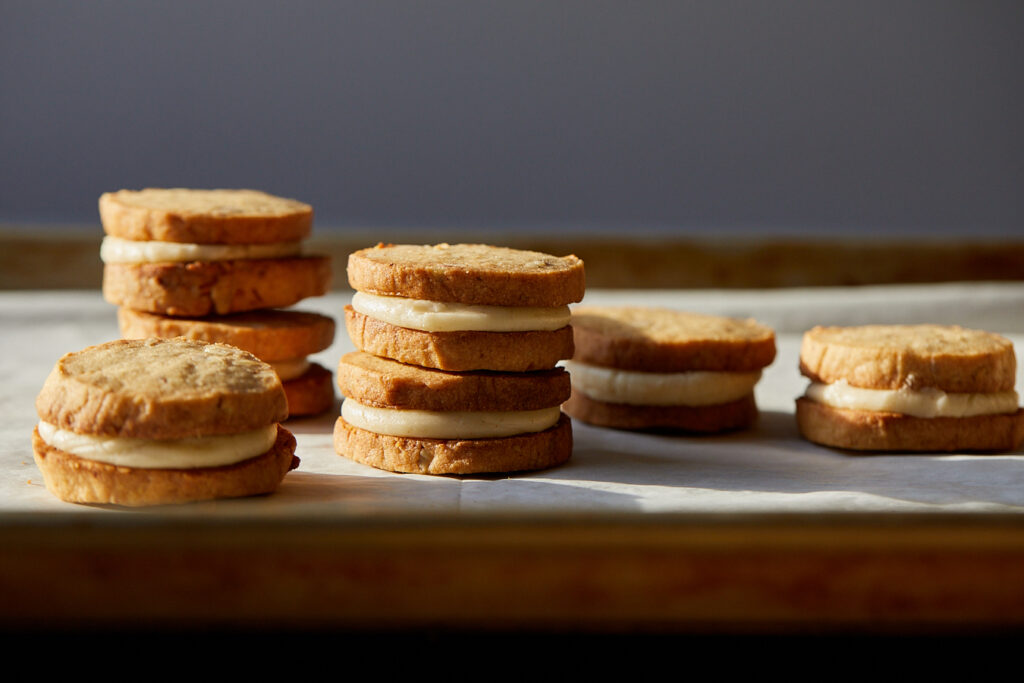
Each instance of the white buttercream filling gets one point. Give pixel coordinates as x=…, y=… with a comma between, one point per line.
x=917, y=403
x=695, y=388
x=174, y=454
x=290, y=369
x=437, y=316
x=117, y=250
x=427, y=424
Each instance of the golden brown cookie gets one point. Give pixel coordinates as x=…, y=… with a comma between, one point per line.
x=270, y=335
x=462, y=350
x=175, y=419
x=475, y=274
x=863, y=430
x=662, y=340
x=388, y=384
x=536, y=451
x=412, y=419
x=909, y=388
x=950, y=358
x=201, y=288
x=204, y=216
x=161, y=389
x=655, y=368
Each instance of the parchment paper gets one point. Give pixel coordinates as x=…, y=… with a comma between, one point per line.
x=765, y=469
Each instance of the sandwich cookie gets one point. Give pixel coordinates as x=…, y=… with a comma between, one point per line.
x=148, y=422
x=460, y=307
x=909, y=388
x=405, y=418
x=651, y=368
x=282, y=339
x=196, y=252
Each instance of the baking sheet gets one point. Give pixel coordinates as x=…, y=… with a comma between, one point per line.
x=766, y=469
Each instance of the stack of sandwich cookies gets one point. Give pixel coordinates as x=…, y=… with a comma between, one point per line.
x=282, y=339
x=463, y=306
x=459, y=345
x=196, y=252
x=650, y=368
x=208, y=264
x=148, y=422
x=405, y=418
x=909, y=388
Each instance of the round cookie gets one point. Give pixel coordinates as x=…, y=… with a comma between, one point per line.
x=652, y=368
x=271, y=335
x=161, y=421
x=909, y=388
x=663, y=340
x=863, y=430
x=475, y=274
x=463, y=350
x=539, y=451
x=949, y=358
x=200, y=288
x=497, y=283
x=204, y=216
x=405, y=418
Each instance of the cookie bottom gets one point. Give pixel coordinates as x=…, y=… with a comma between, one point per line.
x=311, y=393
x=863, y=430
x=77, y=480
x=460, y=351
x=705, y=419
x=200, y=288
x=455, y=456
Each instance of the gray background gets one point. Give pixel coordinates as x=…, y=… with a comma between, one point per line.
x=724, y=117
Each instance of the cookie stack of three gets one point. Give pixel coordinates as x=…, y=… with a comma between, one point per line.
x=456, y=369
x=214, y=265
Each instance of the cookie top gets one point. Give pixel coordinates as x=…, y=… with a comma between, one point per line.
x=663, y=340
x=270, y=335
x=204, y=216
x=161, y=389
x=949, y=358
x=385, y=383
x=475, y=274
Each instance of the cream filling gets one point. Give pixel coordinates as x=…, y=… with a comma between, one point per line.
x=173, y=454
x=117, y=250
x=917, y=403
x=437, y=316
x=695, y=388
x=427, y=424
x=290, y=369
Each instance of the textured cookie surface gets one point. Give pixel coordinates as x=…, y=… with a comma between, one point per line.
x=864, y=430
x=950, y=358
x=662, y=340
x=161, y=389
x=460, y=351
x=385, y=383
x=468, y=273
x=269, y=335
x=713, y=418
x=204, y=216
x=78, y=480
x=466, y=456
x=218, y=287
